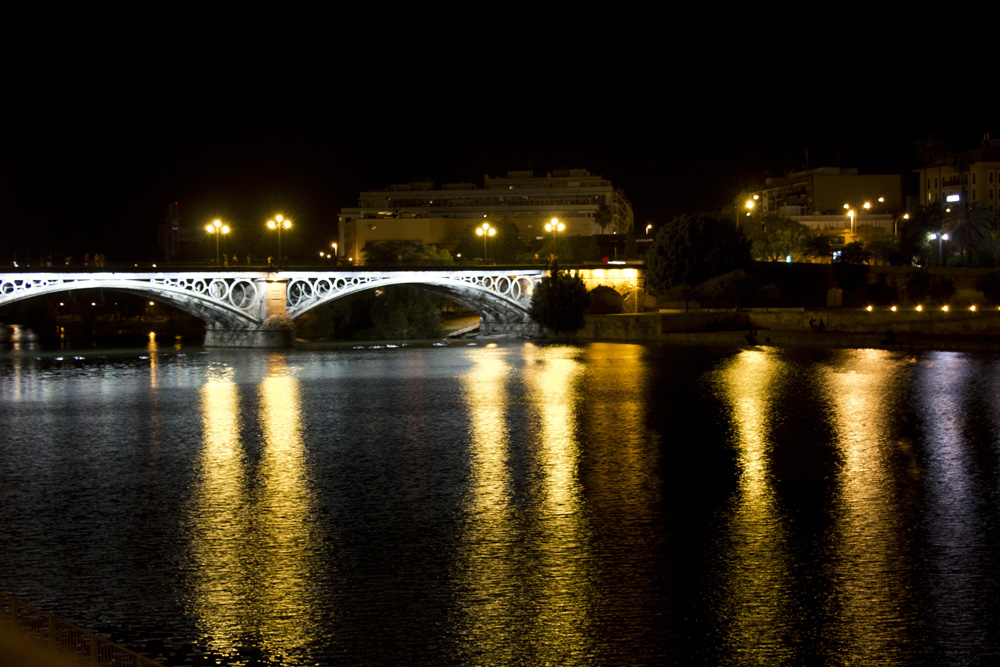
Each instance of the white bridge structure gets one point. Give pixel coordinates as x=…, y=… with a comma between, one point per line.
x=257, y=308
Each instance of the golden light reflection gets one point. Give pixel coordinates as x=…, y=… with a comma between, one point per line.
x=490, y=564
x=615, y=420
x=220, y=590
x=554, y=376
x=154, y=359
x=252, y=544
x=757, y=562
x=859, y=387
x=284, y=533
x=622, y=486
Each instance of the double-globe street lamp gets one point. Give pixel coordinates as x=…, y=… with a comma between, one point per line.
x=941, y=238
x=485, y=231
x=554, y=226
x=217, y=227
x=279, y=222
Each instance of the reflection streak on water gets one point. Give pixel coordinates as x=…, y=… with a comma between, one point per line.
x=251, y=544
x=955, y=524
x=619, y=480
x=553, y=376
x=283, y=538
x=154, y=360
x=861, y=390
x=490, y=562
x=219, y=594
x=756, y=567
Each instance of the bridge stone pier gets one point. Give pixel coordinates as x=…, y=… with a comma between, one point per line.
x=258, y=308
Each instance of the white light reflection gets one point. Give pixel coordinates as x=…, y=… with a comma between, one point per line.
x=962, y=569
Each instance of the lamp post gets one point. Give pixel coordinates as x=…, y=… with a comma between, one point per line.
x=279, y=223
x=217, y=228
x=941, y=238
x=485, y=231
x=895, y=223
x=554, y=226
x=749, y=205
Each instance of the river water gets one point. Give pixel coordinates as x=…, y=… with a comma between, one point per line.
x=515, y=503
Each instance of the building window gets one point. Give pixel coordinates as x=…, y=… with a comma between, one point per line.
x=973, y=179
x=973, y=194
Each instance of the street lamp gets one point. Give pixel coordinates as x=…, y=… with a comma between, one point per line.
x=554, y=226
x=217, y=228
x=941, y=238
x=485, y=231
x=749, y=205
x=895, y=223
x=279, y=223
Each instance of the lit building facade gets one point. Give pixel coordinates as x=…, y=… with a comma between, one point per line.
x=824, y=191
x=973, y=178
x=817, y=199
x=422, y=213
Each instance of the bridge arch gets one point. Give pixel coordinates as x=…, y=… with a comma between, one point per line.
x=217, y=300
x=497, y=297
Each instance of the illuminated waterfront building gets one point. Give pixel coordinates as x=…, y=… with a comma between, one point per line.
x=422, y=213
x=822, y=199
x=972, y=176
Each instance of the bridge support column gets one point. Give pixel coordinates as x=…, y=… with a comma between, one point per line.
x=259, y=337
x=493, y=326
x=277, y=331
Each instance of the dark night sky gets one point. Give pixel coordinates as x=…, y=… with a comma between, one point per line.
x=93, y=152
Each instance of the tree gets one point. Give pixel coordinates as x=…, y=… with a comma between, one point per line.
x=734, y=286
x=603, y=217
x=559, y=301
x=401, y=311
x=774, y=237
x=505, y=246
x=403, y=252
x=570, y=249
x=818, y=247
x=972, y=230
x=914, y=232
x=882, y=249
x=694, y=248
x=853, y=253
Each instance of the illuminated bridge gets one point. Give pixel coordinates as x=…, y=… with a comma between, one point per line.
x=255, y=308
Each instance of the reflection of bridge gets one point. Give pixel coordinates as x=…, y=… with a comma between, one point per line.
x=255, y=308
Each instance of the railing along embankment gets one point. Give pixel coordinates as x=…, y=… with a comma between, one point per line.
x=53, y=636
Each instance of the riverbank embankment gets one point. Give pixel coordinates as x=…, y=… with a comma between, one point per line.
x=826, y=327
